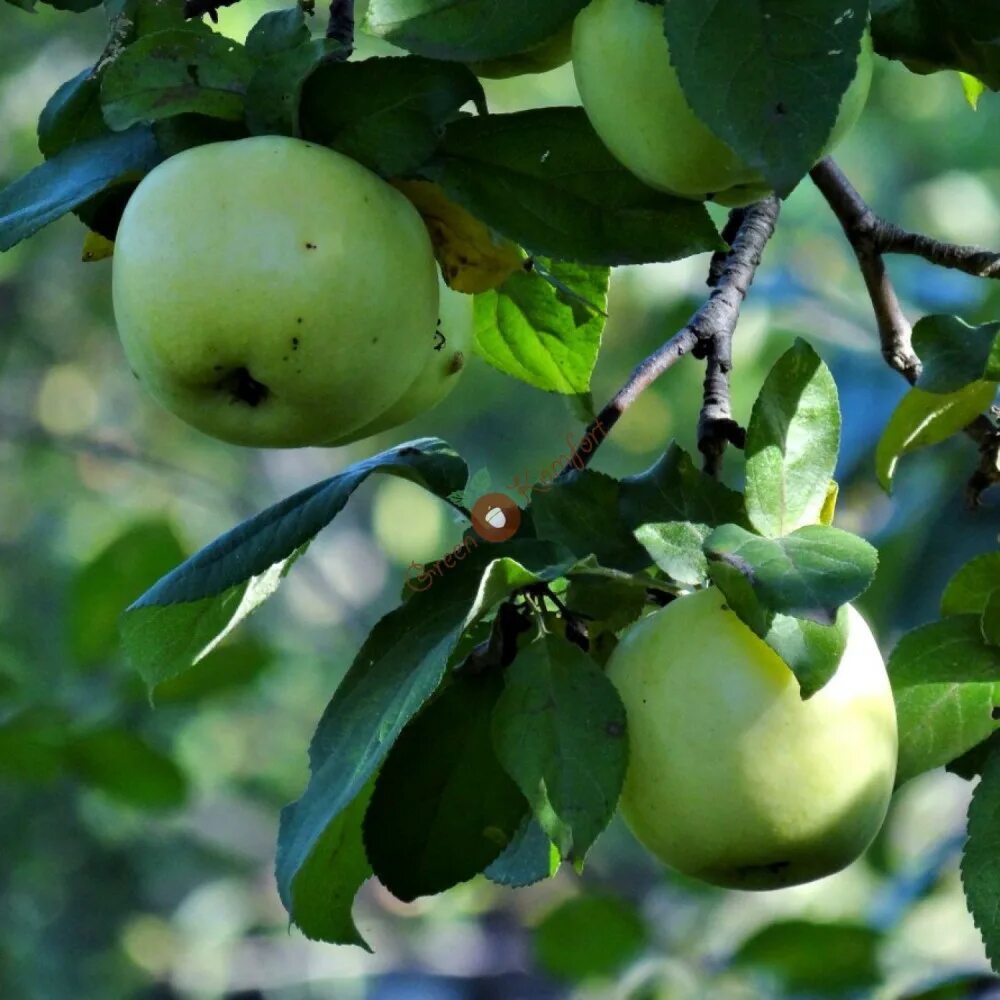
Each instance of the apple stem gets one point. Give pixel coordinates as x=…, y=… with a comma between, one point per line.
x=872, y=237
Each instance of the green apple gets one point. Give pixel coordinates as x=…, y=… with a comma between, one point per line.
x=634, y=100
x=547, y=55
x=448, y=354
x=732, y=777
x=273, y=293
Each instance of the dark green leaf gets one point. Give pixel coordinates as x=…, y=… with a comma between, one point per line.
x=970, y=588
x=581, y=512
x=177, y=622
x=468, y=30
x=528, y=858
x=815, y=958
x=275, y=92
x=930, y=35
x=70, y=179
x=72, y=114
x=608, y=600
x=677, y=548
x=105, y=585
x=531, y=330
x=981, y=859
x=76, y=6
x=925, y=418
x=276, y=32
x=559, y=732
x=176, y=72
x=792, y=443
x=28, y=5
x=127, y=768
x=399, y=667
x=946, y=682
x=544, y=179
x=809, y=573
x=174, y=135
x=33, y=744
x=386, y=113
x=675, y=489
x=589, y=937
x=970, y=765
x=443, y=809
x=955, y=354
x=768, y=80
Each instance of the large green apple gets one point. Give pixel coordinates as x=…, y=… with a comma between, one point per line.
x=634, y=100
x=452, y=344
x=547, y=55
x=732, y=777
x=274, y=293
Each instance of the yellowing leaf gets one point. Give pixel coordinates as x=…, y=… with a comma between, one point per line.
x=473, y=259
x=974, y=89
x=96, y=247
x=829, y=510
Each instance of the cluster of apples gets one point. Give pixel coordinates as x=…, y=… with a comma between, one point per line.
x=274, y=293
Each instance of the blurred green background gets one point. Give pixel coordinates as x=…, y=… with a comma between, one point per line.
x=136, y=843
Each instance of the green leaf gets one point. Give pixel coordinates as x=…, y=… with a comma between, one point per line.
x=674, y=489
x=72, y=114
x=955, y=354
x=608, y=599
x=809, y=573
x=276, y=32
x=527, y=859
x=274, y=93
x=398, y=668
x=133, y=561
x=589, y=937
x=559, y=732
x=33, y=744
x=187, y=613
x=72, y=178
x=981, y=859
x=28, y=5
x=925, y=418
x=769, y=79
x=792, y=443
x=581, y=512
x=332, y=874
x=990, y=622
x=968, y=591
x=127, y=768
x=228, y=667
x=931, y=35
x=544, y=179
x=386, y=113
x=172, y=72
x=443, y=809
x=970, y=765
x=812, y=651
x=677, y=548
x=468, y=30
x=946, y=682
x=828, y=959
x=529, y=329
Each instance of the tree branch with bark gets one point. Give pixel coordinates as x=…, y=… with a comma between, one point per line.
x=708, y=334
x=872, y=237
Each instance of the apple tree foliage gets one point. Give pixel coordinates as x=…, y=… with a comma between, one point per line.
x=475, y=731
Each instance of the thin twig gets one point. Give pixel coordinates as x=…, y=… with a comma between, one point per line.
x=861, y=226
x=341, y=25
x=871, y=237
x=716, y=319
